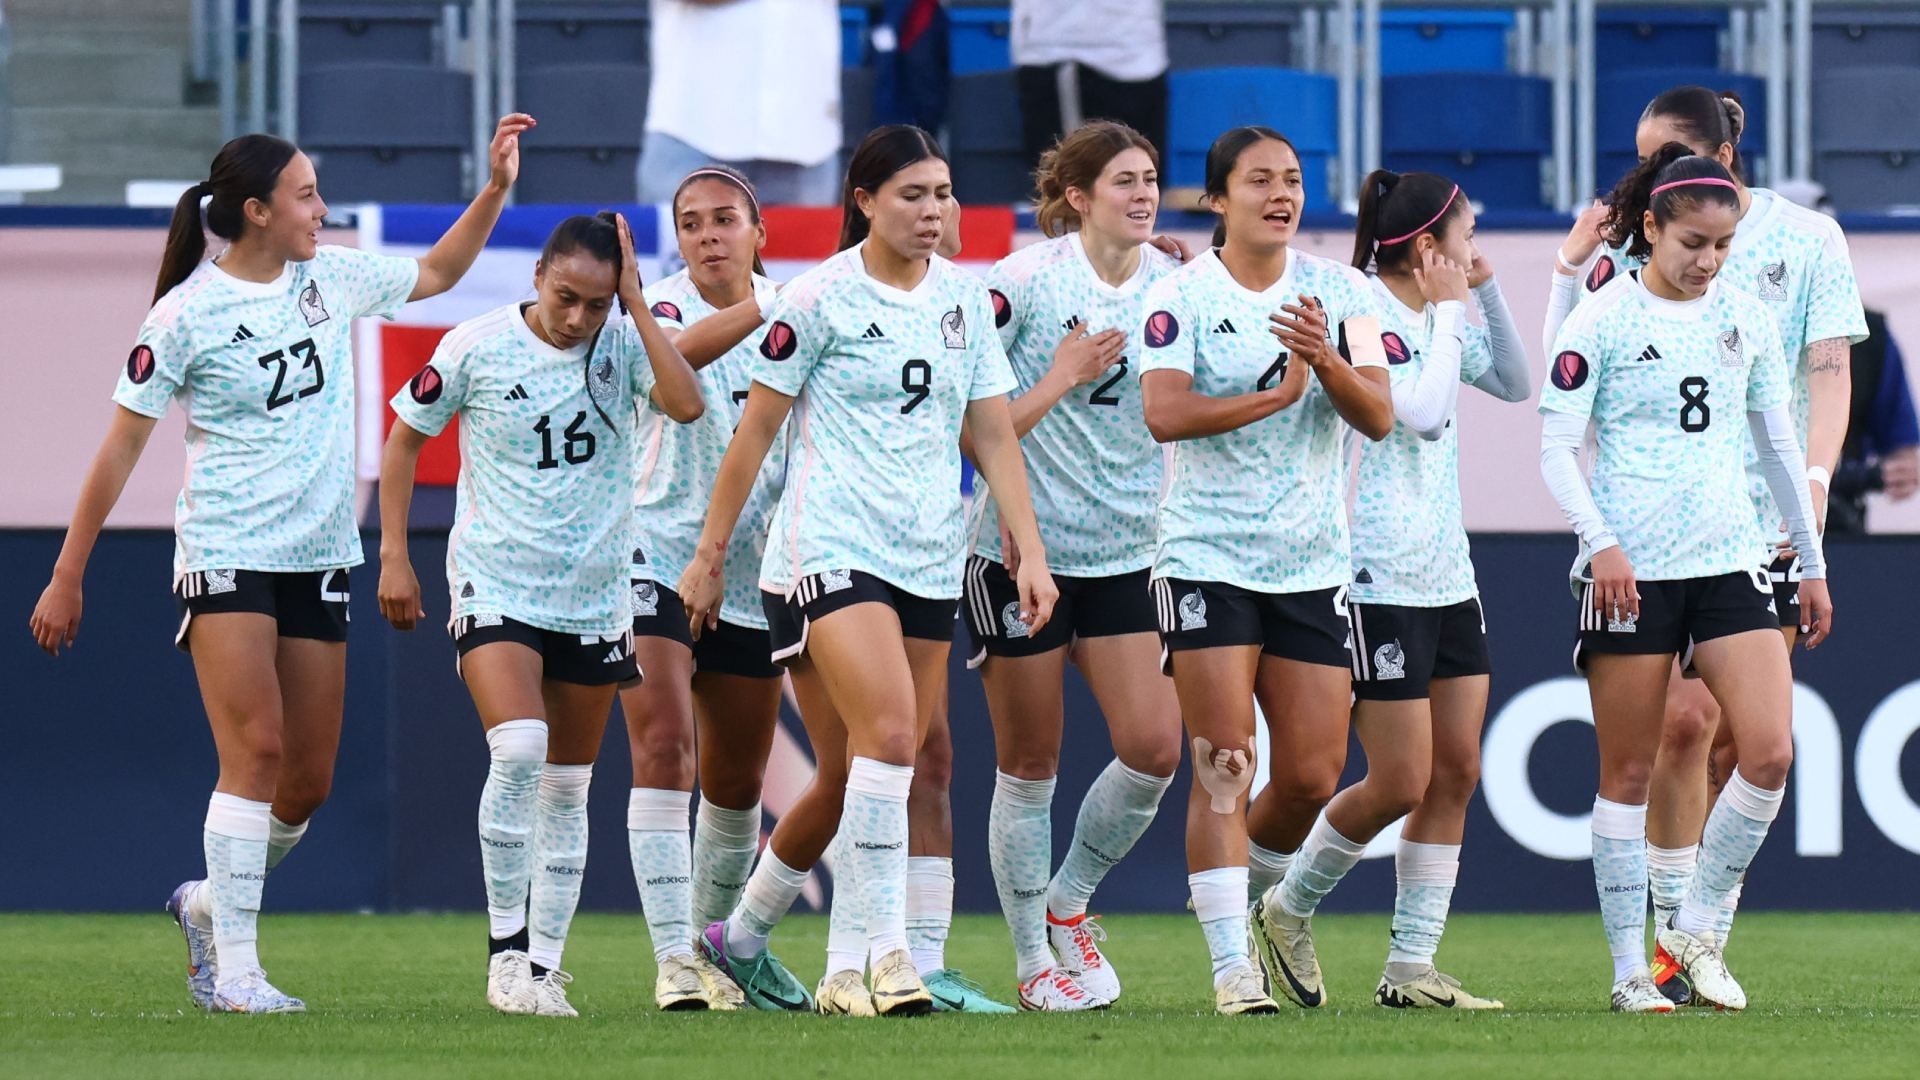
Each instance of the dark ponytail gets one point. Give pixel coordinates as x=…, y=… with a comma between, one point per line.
x=599, y=237
x=884, y=152
x=1633, y=196
x=246, y=168
x=1706, y=120
x=1394, y=210
x=726, y=175
x=1224, y=154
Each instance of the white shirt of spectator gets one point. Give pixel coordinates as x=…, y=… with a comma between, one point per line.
x=1121, y=39
x=751, y=80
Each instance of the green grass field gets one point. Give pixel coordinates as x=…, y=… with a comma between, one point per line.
x=96, y=995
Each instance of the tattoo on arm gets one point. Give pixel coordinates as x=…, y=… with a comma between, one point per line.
x=1828, y=356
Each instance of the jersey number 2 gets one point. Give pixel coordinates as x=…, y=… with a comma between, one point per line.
x=1100, y=395
x=1694, y=413
x=309, y=356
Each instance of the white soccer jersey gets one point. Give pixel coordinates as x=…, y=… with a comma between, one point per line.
x=678, y=463
x=1409, y=542
x=881, y=379
x=543, y=517
x=1092, y=466
x=1261, y=507
x=264, y=372
x=1668, y=385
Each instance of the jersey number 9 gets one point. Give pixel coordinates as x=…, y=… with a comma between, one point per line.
x=916, y=378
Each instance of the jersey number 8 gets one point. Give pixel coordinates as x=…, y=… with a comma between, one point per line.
x=1694, y=413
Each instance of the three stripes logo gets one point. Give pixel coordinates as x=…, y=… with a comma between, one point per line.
x=1225, y=327
x=873, y=332
x=1646, y=354
x=1072, y=321
x=518, y=393
x=240, y=335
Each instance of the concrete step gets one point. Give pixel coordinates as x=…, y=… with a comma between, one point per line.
x=102, y=11
x=144, y=77
x=142, y=142
x=86, y=189
x=115, y=36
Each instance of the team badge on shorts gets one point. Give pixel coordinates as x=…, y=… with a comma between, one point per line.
x=953, y=328
x=646, y=598
x=1390, y=661
x=1011, y=622
x=312, y=308
x=1773, y=281
x=1623, y=622
x=221, y=581
x=1193, y=611
x=832, y=581
x=1731, y=354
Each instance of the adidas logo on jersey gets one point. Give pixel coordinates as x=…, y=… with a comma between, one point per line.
x=466, y=591
x=1072, y=321
x=518, y=393
x=1363, y=577
x=873, y=332
x=1646, y=354
x=1225, y=327
x=242, y=334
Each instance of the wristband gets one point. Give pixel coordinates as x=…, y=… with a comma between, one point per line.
x=1819, y=475
x=1566, y=267
x=764, y=295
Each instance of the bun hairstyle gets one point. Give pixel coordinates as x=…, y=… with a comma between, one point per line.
x=884, y=152
x=1706, y=120
x=599, y=237
x=1396, y=208
x=248, y=167
x=1225, y=153
x=726, y=175
x=1670, y=182
x=1076, y=161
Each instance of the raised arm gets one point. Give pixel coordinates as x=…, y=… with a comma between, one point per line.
x=453, y=254
x=676, y=390
x=56, y=618
x=1359, y=390
x=1511, y=377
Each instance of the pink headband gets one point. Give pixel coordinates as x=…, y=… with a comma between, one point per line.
x=1714, y=180
x=1448, y=205
x=722, y=174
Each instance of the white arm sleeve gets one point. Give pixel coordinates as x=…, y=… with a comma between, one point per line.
x=1561, y=435
x=1509, y=379
x=1786, y=472
x=1560, y=301
x=1425, y=402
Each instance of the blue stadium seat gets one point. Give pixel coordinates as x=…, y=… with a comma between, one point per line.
x=1230, y=35
x=364, y=33
x=979, y=40
x=1203, y=102
x=856, y=106
x=1425, y=40
x=854, y=26
x=1657, y=37
x=592, y=117
x=1621, y=96
x=549, y=35
x=983, y=140
x=1866, y=136
x=367, y=150
x=1488, y=131
x=1864, y=37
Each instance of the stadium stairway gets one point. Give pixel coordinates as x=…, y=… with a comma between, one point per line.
x=100, y=88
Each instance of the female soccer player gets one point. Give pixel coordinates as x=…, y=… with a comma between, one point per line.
x=1794, y=260
x=536, y=566
x=1420, y=661
x=1671, y=560
x=1067, y=308
x=867, y=534
x=257, y=344
x=1251, y=568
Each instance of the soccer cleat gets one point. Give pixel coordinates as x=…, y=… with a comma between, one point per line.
x=1706, y=968
x=1243, y=993
x=1637, y=994
x=510, y=982
x=720, y=992
x=678, y=986
x=954, y=992
x=200, y=955
x=1670, y=977
x=1428, y=990
x=1053, y=990
x=897, y=989
x=550, y=995
x=843, y=994
x=250, y=992
x=1076, y=941
x=764, y=981
x=1286, y=952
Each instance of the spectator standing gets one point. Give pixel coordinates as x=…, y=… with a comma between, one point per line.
x=1882, y=451
x=1083, y=60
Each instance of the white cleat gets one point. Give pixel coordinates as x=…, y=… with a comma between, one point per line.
x=1701, y=958
x=1243, y=993
x=1077, y=942
x=550, y=995
x=897, y=988
x=250, y=992
x=1637, y=994
x=1053, y=990
x=722, y=993
x=843, y=993
x=510, y=983
x=678, y=986
x=1286, y=951
x=201, y=966
x=1428, y=990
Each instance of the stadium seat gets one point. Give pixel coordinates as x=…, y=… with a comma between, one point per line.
x=1488, y=131
x=1864, y=37
x=979, y=40
x=1426, y=40
x=1621, y=96
x=1626, y=38
x=983, y=140
x=366, y=149
x=855, y=24
x=365, y=33
x=856, y=106
x=588, y=142
x=1866, y=136
x=1203, y=102
x=551, y=34
x=1230, y=35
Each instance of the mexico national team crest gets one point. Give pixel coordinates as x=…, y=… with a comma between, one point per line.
x=1011, y=622
x=646, y=599
x=1193, y=611
x=1390, y=661
x=222, y=581
x=1773, y=281
x=1731, y=354
x=312, y=308
x=832, y=581
x=1622, y=622
x=600, y=382
x=953, y=328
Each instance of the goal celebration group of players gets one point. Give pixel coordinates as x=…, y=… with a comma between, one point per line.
x=684, y=494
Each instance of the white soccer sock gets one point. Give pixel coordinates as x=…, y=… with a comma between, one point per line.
x=1423, y=891
x=1020, y=850
x=662, y=867
x=771, y=890
x=1117, y=810
x=235, y=839
x=875, y=821
x=1669, y=870
x=560, y=860
x=1220, y=903
x=1265, y=869
x=1324, y=859
x=1620, y=877
x=1734, y=832
x=724, y=844
x=846, y=934
x=508, y=805
x=281, y=837
x=929, y=910
x=1723, y=925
